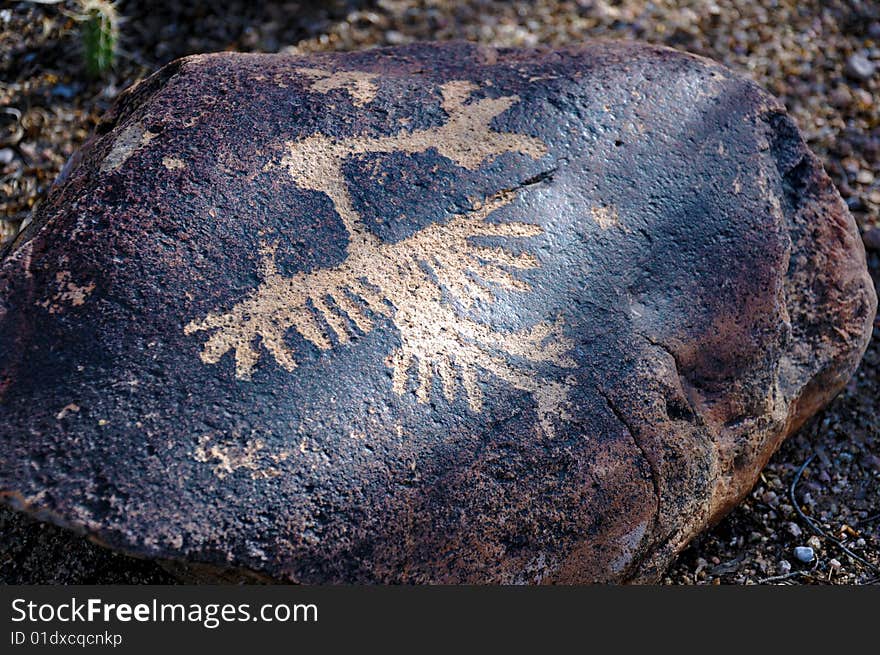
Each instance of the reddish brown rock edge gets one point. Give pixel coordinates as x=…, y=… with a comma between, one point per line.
x=831, y=303
x=682, y=414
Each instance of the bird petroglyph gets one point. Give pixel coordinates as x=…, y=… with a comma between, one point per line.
x=421, y=283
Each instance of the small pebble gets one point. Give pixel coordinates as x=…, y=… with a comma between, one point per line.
x=794, y=529
x=855, y=204
x=859, y=67
x=395, y=38
x=871, y=238
x=804, y=554
x=784, y=567
x=65, y=91
x=865, y=176
x=841, y=97
x=865, y=100
x=6, y=155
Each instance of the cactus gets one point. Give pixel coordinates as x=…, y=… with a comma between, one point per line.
x=100, y=34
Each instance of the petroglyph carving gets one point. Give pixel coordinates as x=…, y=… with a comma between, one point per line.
x=360, y=86
x=605, y=217
x=421, y=283
x=130, y=140
x=67, y=293
x=466, y=138
x=230, y=458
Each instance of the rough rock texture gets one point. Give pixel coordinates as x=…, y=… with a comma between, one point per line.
x=439, y=313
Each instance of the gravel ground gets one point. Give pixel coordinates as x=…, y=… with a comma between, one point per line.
x=821, y=58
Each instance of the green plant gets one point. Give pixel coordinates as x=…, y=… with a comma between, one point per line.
x=99, y=29
x=100, y=34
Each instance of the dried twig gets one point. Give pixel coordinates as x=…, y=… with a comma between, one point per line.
x=793, y=574
x=787, y=576
x=868, y=519
x=815, y=526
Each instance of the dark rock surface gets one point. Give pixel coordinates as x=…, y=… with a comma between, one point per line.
x=438, y=313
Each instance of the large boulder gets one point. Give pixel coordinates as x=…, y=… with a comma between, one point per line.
x=431, y=314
